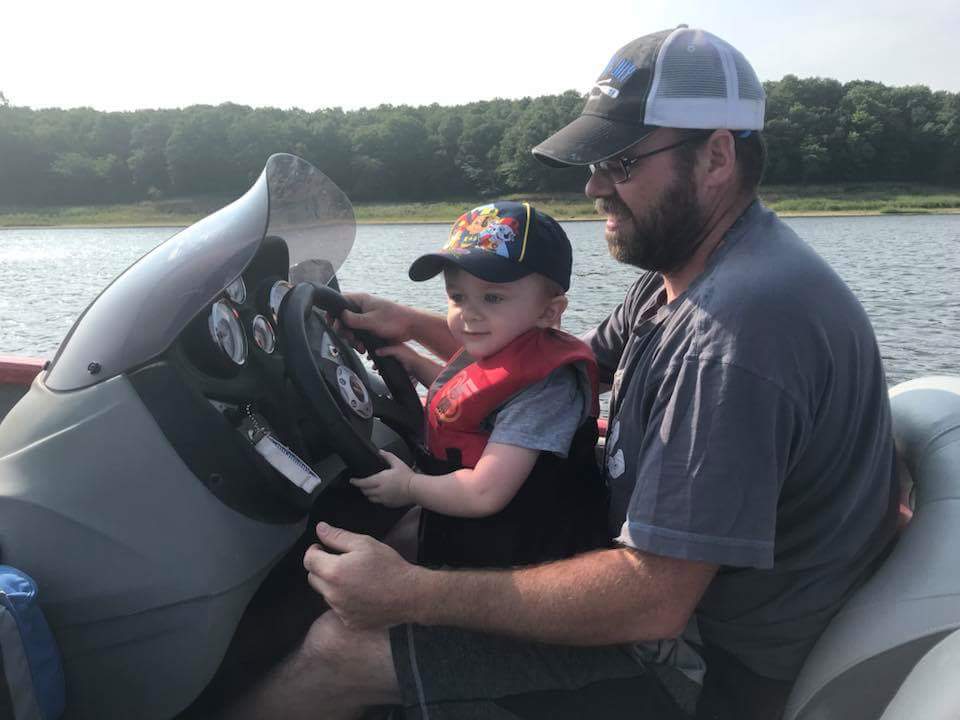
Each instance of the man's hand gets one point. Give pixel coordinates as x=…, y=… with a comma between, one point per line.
x=390, y=487
x=385, y=319
x=366, y=583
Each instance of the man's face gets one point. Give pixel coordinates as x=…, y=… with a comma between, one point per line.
x=654, y=219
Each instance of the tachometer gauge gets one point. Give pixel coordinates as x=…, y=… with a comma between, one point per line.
x=277, y=292
x=263, y=334
x=224, y=323
x=237, y=291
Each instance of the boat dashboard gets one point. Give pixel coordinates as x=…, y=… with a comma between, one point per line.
x=227, y=398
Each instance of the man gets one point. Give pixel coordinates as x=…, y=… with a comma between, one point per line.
x=749, y=455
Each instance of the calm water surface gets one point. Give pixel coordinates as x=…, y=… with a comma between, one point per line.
x=903, y=268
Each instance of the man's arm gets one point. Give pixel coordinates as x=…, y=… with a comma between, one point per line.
x=599, y=598
x=399, y=323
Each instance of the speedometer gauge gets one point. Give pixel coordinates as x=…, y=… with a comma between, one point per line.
x=237, y=291
x=227, y=333
x=277, y=292
x=263, y=334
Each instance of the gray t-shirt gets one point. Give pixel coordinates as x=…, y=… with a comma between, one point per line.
x=750, y=427
x=544, y=416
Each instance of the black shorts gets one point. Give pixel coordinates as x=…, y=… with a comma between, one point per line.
x=449, y=673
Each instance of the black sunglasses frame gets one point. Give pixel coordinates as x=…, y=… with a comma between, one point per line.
x=627, y=163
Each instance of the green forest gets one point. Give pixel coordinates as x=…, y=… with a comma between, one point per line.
x=818, y=131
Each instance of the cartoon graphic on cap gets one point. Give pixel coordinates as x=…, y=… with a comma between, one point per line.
x=483, y=229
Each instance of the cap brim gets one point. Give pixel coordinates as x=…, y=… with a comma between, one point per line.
x=484, y=265
x=589, y=139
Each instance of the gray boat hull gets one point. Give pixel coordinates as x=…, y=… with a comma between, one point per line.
x=143, y=574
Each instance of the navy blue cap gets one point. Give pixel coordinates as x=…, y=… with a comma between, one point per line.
x=502, y=242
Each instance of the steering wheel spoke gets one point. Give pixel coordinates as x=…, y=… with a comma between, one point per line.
x=409, y=425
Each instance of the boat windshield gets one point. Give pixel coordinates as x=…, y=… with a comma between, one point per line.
x=142, y=311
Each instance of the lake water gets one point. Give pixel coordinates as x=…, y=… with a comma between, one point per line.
x=903, y=268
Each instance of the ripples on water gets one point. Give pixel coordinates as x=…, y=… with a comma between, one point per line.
x=49, y=276
x=903, y=269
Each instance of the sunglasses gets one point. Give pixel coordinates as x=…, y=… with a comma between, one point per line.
x=618, y=169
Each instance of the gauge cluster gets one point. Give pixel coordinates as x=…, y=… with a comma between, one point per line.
x=230, y=328
x=236, y=338
x=235, y=325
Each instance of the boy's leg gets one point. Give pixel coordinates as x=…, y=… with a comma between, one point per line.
x=403, y=536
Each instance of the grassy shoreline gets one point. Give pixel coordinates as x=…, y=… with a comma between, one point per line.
x=789, y=201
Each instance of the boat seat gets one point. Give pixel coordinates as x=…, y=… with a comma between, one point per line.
x=930, y=691
x=913, y=601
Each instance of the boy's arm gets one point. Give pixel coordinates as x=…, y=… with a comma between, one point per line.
x=480, y=491
x=426, y=370
x=471, y=492
x=421, y=367
x=542, y=418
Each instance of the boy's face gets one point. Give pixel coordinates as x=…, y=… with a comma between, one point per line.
x=485, y=316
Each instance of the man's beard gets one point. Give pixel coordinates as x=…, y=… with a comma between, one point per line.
x=666, y=237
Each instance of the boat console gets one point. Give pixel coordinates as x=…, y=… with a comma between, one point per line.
x=196, y=421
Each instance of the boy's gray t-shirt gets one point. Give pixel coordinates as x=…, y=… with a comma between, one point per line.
x=750, y=428
x=544, y=416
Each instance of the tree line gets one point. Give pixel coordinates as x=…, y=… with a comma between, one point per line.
x=817, y=130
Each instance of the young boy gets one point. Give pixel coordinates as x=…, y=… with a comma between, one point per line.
x=511, y=417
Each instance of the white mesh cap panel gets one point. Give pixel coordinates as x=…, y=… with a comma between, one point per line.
x=749, y=86
x=690, y=70
x=702, y=82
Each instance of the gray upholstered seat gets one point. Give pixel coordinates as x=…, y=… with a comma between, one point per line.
x=913, y=601
x=931, y=691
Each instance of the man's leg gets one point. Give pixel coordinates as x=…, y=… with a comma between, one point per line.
x=450, y=674
x=336, y=673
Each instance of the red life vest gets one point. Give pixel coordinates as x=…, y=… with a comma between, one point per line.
x=456, y=411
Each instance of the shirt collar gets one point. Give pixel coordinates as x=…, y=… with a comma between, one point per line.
x=658, y=309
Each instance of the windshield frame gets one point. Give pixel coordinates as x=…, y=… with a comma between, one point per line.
x=140, y=314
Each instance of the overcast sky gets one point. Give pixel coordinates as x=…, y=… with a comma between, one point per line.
x=114, y=55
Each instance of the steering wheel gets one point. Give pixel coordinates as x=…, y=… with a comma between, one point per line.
x=335, y=383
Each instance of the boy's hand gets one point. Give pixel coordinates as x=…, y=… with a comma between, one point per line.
x=390, y=487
